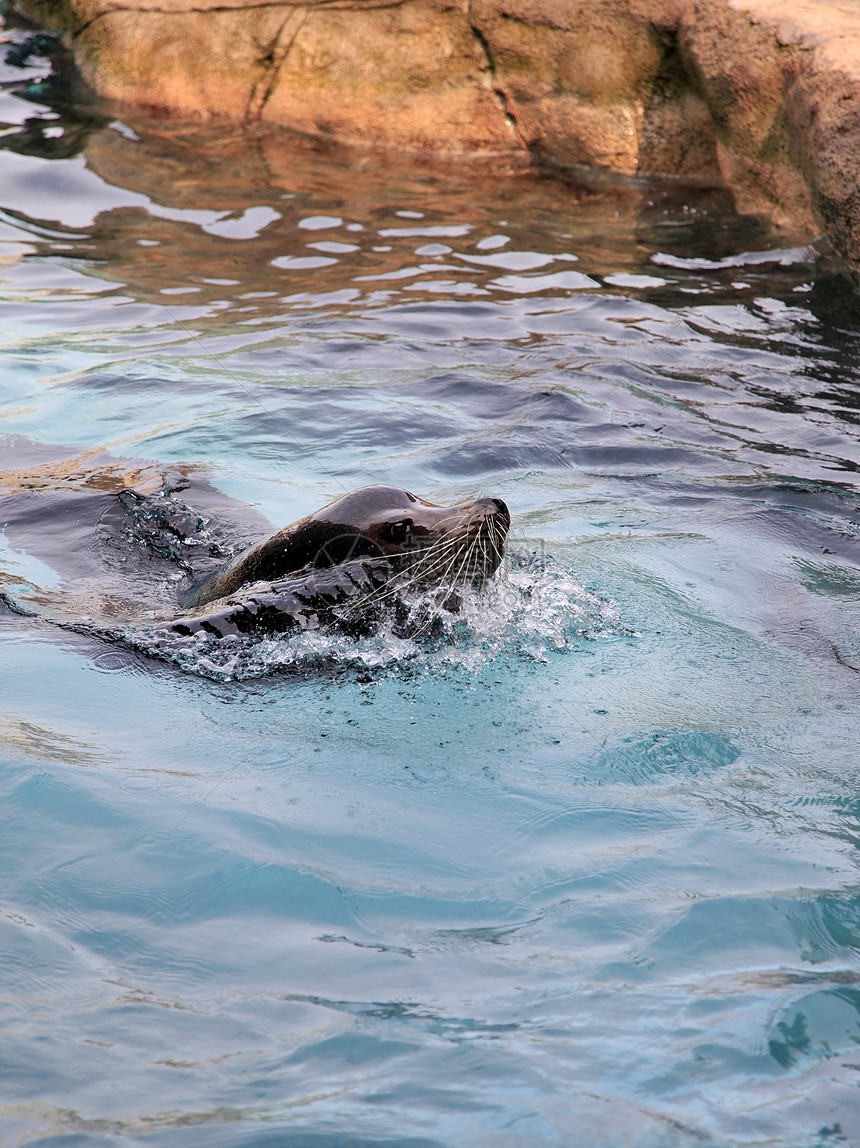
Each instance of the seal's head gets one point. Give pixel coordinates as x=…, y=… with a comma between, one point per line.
x=463, y=543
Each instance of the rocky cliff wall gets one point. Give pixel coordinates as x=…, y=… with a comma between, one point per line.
x=764, y=93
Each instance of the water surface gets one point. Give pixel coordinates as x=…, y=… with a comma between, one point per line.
x=583, y=874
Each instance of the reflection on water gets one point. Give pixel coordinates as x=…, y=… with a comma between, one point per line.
x=586, y=869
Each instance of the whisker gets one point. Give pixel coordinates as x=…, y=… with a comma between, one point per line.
x=455, y=560
x=460, y=611
x=413, y=574
x=414, y=577
x=435, y=614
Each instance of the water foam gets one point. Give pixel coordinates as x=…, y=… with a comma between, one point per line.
x=532, y=608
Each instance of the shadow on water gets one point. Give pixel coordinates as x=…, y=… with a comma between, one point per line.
x=66, y=117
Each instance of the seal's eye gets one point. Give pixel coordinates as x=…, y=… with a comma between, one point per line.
x=397, y=532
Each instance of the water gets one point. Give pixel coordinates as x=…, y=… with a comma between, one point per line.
x=581, y=872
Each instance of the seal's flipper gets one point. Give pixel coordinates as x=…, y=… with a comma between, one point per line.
x=317, y=598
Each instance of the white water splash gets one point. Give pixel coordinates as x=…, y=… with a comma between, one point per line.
x=531, y=608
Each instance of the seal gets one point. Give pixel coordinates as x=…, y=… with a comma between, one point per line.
x=340, y=565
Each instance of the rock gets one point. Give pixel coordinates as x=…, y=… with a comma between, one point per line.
x=763, y=93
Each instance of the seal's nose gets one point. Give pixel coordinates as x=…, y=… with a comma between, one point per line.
x=502, y=509
x=491, y=509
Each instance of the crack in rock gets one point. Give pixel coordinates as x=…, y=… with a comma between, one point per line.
x=498, y=91
x=276, y=55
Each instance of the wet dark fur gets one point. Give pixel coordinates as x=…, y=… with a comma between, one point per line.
x=121, y=538
x=307, y=601
x=346, y=563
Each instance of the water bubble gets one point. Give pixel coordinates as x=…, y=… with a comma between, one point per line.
x=533, y=608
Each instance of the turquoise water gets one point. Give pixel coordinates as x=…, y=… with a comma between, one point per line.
x=584, y=873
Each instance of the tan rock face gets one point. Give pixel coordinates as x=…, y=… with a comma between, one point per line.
x=765, y=93
x=404, y=75
x=343, y=75
x=573, y=75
